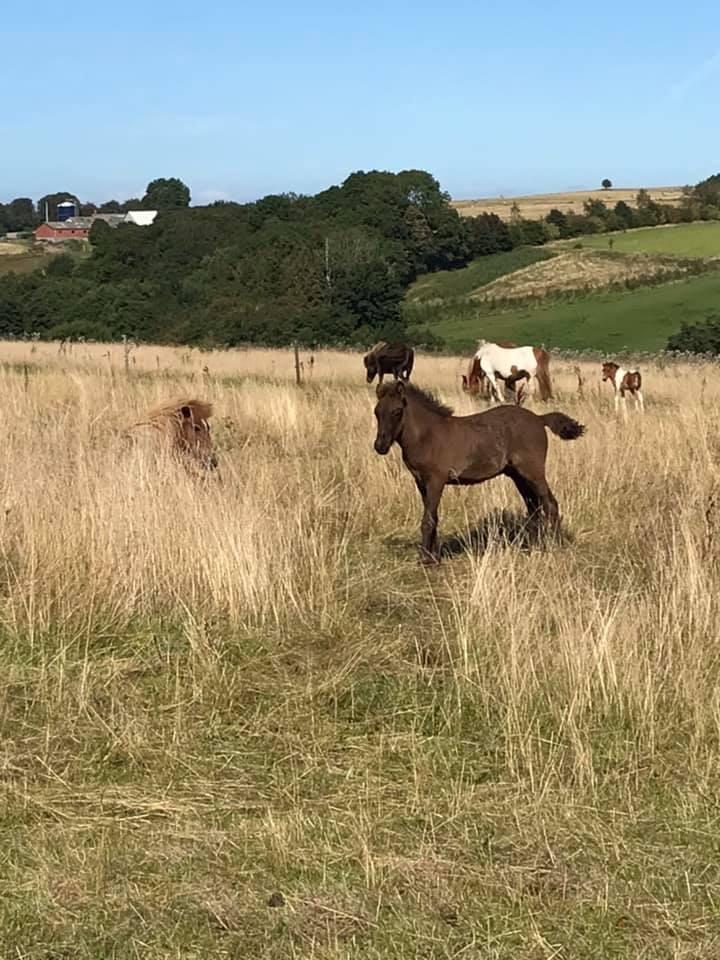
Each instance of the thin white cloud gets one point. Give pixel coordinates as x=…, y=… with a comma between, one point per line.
x=680, y=89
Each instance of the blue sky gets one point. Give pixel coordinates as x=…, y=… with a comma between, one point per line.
x=243, y=99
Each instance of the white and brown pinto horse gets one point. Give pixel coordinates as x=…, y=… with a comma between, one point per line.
x=624, y=382
x=510, y=364
x=476, y=383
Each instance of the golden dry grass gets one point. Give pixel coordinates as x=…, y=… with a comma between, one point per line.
x=538, y=206
x=239, y=720
x=578, y=270
x=11, y=248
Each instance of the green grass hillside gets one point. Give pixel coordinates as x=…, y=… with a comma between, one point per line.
x=684, y=240
x=460, y=283
x=639, y=319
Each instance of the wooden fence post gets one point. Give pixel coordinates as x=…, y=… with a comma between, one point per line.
x=298, y=374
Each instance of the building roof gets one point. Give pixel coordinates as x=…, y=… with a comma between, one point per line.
x=112, y=219
x=73, y=223
x=143, y=218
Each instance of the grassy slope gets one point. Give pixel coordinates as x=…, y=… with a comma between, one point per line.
x=458, y=283
x=685, y=240
x=640, y=319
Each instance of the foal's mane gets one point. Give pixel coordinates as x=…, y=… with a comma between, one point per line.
x=375, y=350
x=168, y=413
x=428, y=400
x=199, y=409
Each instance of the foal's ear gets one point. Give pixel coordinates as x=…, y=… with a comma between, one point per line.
x=400, y=388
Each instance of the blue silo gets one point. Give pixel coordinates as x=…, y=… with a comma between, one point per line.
x=65, y=210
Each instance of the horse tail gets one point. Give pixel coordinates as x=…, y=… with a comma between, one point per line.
x=409, y=362
x=563, y=426
x=543, y=374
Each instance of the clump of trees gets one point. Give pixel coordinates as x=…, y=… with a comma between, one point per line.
x=703, y=337
x=22, y=214
x=332, y=268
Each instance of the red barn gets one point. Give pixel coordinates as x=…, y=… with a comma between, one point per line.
x=76, y=228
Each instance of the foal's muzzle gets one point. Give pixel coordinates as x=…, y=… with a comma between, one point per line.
x=382, y=446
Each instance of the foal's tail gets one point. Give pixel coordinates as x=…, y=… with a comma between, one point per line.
x=562, y=426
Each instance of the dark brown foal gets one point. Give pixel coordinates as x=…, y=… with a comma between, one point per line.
x=439, y=449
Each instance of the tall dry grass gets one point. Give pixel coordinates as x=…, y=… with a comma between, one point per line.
x=213, y=692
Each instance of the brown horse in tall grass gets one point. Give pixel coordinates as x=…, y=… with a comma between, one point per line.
x=439, y=449
x=184, y=424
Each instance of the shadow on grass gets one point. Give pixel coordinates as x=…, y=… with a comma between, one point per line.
x=504, y=529
x=501, y=528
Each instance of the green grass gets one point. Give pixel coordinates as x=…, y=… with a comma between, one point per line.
x=640, y=319
x=459, y=283
x=685, y=239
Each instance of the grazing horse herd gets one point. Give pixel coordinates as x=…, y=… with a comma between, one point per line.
x=438, y=448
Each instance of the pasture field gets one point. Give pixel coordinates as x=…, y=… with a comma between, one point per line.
x=240, y=721
x=21, y=257
x=13, y=248
x=538, y=206
x=682, y=240
x=537, y=273
x=483, y=270
x=640, y=319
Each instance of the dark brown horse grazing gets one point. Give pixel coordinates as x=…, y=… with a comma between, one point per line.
x=394, y=358
x=439, y=448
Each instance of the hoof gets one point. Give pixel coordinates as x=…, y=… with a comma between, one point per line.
x=429, y=559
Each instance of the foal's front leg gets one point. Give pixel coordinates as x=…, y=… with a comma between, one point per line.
x=431, y=493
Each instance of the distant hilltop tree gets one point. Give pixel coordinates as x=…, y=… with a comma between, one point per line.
x=163, y=193
x=49, y=204
x=606, y=184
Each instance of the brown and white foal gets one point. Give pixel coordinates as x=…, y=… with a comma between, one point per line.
x=624, y=382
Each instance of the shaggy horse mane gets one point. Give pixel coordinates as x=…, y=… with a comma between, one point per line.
x=168, y=413
x=428, y=400
x=375, y=350
x=199, y=409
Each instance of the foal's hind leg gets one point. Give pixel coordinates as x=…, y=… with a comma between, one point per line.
x=526, y=491
x=540, y=493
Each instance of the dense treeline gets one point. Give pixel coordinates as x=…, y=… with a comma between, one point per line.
x=332, y=268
